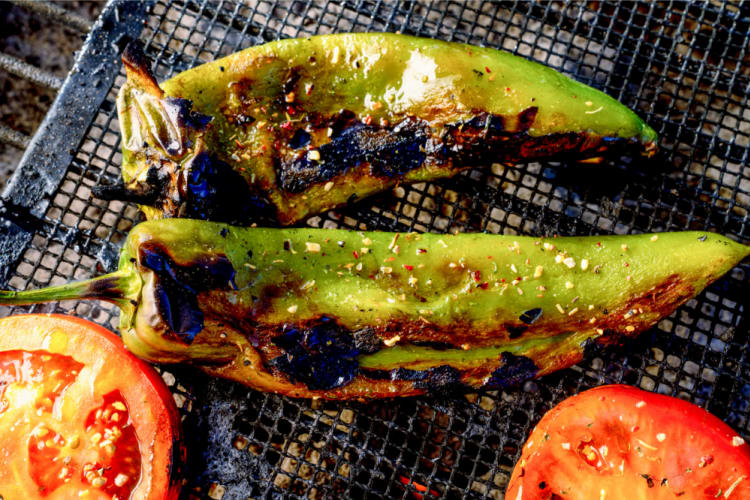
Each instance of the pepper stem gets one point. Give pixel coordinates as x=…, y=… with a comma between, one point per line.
x=112, y=287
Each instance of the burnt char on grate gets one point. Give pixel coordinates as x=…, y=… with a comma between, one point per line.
x=684, y=67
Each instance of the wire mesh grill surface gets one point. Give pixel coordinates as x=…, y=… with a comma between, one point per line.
x=683, y=67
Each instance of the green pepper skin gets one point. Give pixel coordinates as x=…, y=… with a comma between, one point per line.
x=396, y=314
x=301, y=126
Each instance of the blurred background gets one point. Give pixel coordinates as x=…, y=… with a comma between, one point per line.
x=42, y=42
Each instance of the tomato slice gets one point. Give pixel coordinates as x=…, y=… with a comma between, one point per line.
x=81, y=417
x=619, y=442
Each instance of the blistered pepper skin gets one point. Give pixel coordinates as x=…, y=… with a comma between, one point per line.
x=341, y=315
x=291, y=128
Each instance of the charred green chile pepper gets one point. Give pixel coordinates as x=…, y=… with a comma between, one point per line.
x=340, y=314
x=292, y=128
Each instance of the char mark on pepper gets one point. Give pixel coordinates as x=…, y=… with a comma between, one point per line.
x=322, y=355
x=388, y=152
x=391, y=151
x=217, y=192
x=439, y=380
x=105, y=289
x=514, y=371
x=177, y=286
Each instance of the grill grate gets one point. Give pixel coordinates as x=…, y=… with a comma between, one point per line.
x=682, y=66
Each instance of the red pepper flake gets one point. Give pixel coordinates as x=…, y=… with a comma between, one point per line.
x=408, y=267
x=483, y=286
x=477, y=276
x=372, y=276
x=487, y=69
x=286, y=125
x=507, y=89
x=489, y=256
x=291, y=110
x=264, y=147
x=356, y=254
x=502, y=280
x=368, y=120
x=599, y=243
x=418, y=487
x=421, y=250
x=239, y=144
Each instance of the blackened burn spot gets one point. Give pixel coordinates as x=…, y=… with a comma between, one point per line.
x=218, y=193
x=407, y=374
x=181, y=112
x=104, y=289
x=388, y=153
x=366, y=341
x=393, y=150
x=591, y=348
x=244, y=119
x=177, y=286
x=433, y=344
x=291, y=80
x=440, y=379
x=300, y=139
x=526, y=118
x=513, y=371
x=530, y=316
x=515, y=331
x=321, y=356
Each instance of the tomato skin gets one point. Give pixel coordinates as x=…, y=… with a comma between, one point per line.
x=617, y=442
x=108, y=370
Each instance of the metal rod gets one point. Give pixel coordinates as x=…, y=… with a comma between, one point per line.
x=13, y=137
x=29, y=72
x=57, y=13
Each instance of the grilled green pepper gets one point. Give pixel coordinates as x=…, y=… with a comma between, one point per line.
x=295, y=127
x=340, y=314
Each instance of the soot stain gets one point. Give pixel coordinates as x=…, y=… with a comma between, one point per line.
x=177, y=286
x=322, y=356
x=514, y=371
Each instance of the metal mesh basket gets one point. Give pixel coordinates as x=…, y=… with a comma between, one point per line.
x=682, y=66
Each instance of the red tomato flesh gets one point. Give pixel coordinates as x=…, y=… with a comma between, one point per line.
x=621, y=443
x=80, y=417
